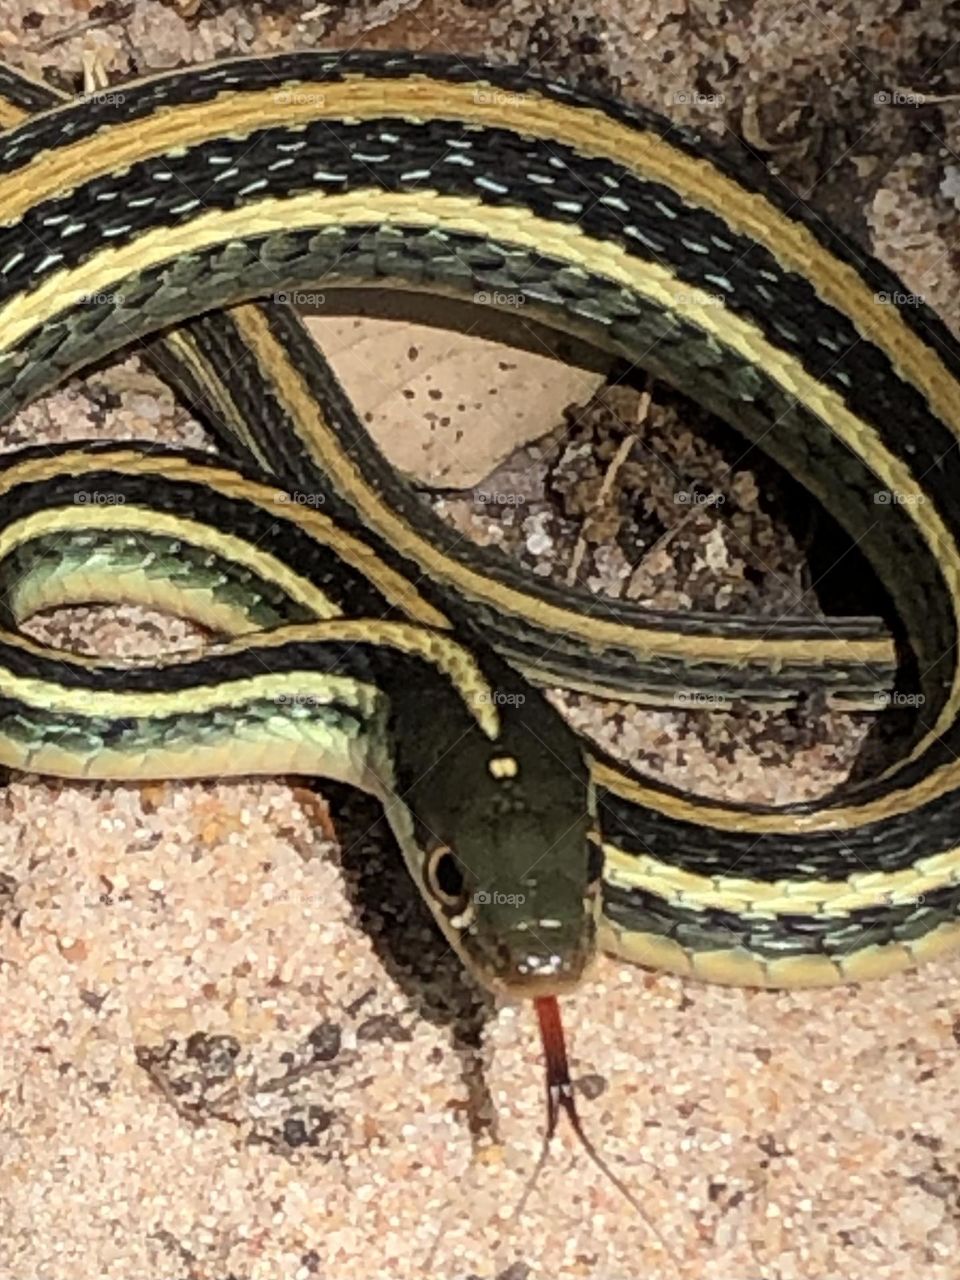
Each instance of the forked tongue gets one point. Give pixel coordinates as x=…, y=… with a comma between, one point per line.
x=560, y=1097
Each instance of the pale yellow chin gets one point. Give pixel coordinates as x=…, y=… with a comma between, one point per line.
x=533, y=988
x=533, y=977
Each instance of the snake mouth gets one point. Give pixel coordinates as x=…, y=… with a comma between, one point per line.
x=533, y=988
x=522, y=967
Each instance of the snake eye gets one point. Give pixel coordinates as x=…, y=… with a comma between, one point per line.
x=445, y=876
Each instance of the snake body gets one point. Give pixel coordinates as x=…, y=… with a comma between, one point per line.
x=221, y=186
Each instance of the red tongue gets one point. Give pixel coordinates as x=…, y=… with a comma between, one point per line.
x=559, y=1087
x=560, y=1097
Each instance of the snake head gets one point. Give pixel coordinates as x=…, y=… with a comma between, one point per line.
x=501, y=847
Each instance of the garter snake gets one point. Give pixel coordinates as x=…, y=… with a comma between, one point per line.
x=211, y=187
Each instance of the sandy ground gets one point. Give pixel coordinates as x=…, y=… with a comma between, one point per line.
x=232, y=1048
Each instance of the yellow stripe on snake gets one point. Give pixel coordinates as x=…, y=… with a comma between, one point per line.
x=367, y=644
